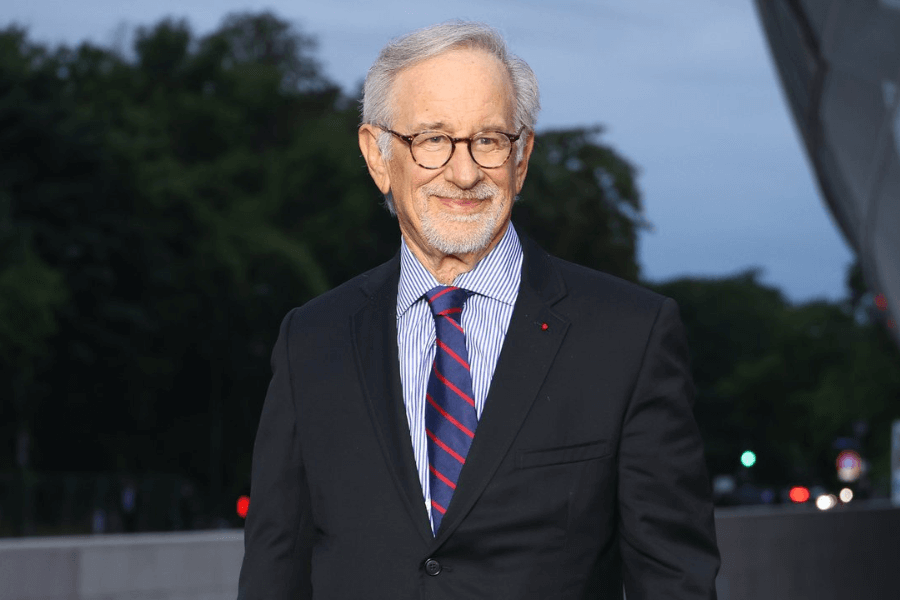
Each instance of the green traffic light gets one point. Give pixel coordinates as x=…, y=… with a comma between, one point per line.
x=748, y=458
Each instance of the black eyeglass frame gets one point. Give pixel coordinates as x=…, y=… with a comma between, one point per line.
x=513, y=138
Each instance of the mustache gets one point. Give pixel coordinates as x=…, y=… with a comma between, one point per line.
x=482, y=191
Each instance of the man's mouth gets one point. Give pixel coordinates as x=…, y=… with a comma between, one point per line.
x=459, y=201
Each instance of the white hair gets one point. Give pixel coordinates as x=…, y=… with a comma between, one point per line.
x=408, y=50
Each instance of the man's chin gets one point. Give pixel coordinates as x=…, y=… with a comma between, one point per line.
x=459, y=236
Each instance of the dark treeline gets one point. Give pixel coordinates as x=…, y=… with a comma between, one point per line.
x=796, y=384
x=161, y=211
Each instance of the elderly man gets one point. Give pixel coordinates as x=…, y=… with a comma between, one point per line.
x=474, y=418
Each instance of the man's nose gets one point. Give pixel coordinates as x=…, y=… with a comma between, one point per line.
x=462, y=170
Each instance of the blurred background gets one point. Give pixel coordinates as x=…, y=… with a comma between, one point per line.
x=174, y=177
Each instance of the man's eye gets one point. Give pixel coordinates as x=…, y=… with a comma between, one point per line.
x=431, y=140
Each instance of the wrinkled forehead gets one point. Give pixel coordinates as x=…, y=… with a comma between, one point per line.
x=461, y=88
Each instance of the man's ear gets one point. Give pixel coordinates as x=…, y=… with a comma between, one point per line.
x=368, y=144
x=522, y=166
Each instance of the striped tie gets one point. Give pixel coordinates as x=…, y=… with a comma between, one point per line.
x=450, y=417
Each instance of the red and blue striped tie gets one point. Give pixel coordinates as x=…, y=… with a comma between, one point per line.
x=450, y=417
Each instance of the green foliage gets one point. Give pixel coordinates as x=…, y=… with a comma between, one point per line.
x=580, y=201
x=31, y=294
x=786, y=380
x=167, y=212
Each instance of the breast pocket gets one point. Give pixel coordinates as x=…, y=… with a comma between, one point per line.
x=563, y=455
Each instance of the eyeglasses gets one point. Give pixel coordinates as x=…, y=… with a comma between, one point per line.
x=433, y=150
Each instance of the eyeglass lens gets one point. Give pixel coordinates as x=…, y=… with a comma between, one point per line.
x=488, y=149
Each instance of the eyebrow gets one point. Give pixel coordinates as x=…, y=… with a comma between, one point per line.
x=437, y=125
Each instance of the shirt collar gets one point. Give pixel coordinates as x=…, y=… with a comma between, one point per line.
x=496, y=276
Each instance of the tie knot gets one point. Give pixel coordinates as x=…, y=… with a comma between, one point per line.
x=447, y=301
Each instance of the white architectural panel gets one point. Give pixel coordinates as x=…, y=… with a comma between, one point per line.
x=839, y=62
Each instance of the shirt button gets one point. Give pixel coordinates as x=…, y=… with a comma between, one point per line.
x=432, y=567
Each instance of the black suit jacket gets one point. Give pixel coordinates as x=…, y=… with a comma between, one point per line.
x=586, y=471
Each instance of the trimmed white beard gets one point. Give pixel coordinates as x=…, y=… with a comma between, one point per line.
x=471, y=239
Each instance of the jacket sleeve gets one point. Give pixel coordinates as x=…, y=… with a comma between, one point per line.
x=668, y=540
x=278, y=529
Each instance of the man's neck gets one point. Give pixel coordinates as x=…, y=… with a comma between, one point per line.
x=447, y=268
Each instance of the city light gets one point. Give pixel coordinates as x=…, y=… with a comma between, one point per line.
x=799, y=494
x=826, y=502
x=849, y=466
x=748, y=458
x=846, y=495
x=243, y=505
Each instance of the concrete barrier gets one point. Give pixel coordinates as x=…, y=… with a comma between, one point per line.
x=165, y=566
x=794, y=553
x=781, y=553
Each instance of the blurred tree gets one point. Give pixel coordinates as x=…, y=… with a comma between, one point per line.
x=787, y=381
x=728, y=321
x=581, y=201
x=142, y=214
x=264, y=40
x=48, y=157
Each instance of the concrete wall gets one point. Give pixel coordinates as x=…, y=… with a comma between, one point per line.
x=795, y=553
x=784, y=553
x=169, y=566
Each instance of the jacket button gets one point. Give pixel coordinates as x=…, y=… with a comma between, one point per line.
x=432, y=567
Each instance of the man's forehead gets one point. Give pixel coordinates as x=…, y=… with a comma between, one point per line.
x=467, y=84
x=487, y=125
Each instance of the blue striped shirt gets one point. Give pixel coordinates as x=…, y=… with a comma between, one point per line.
x=485, y=319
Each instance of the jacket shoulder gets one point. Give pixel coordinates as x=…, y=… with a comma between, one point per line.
x=346, y=299
x=586, y=284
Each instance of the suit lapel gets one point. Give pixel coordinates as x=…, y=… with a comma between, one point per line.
x=374, y=329
x=528, y=351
